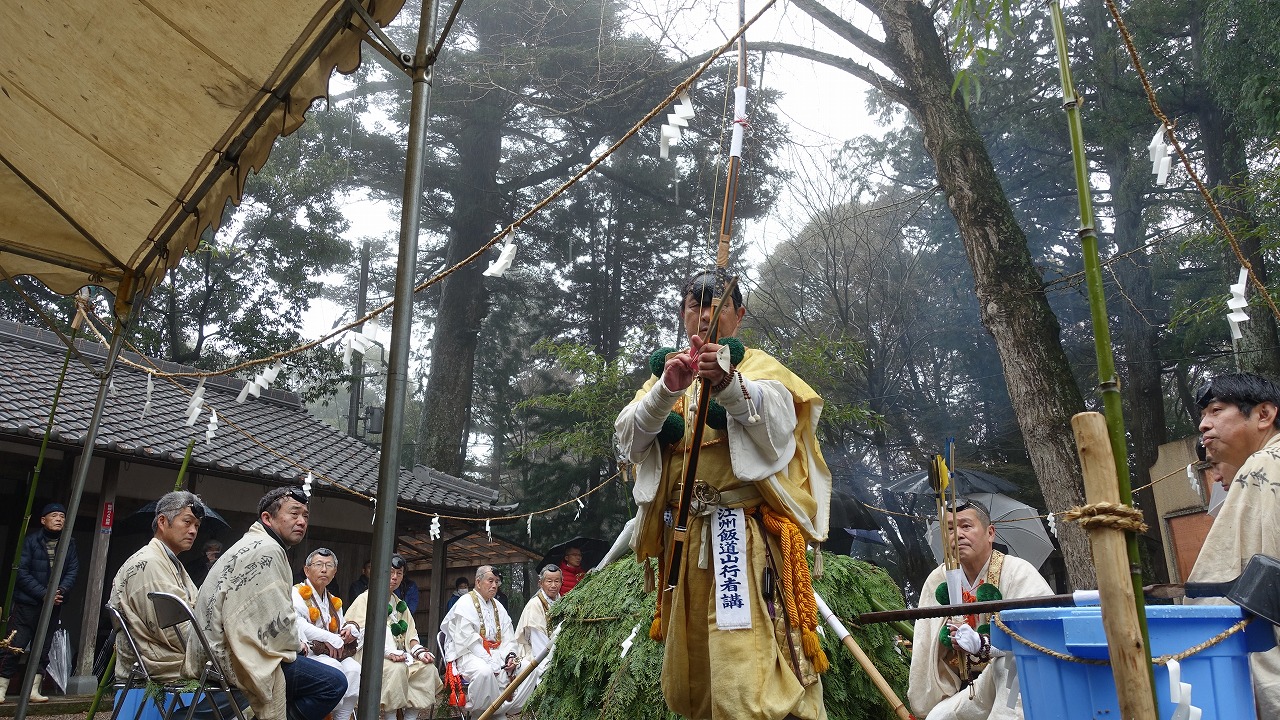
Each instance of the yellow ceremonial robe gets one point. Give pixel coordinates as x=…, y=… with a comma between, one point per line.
x=723, y=674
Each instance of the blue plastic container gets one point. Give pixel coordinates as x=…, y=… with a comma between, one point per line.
x=131, y=699
x=1054, y=689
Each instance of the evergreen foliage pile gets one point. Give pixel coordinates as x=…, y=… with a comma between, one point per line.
x=588, y=678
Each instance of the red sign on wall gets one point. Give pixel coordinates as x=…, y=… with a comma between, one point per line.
x=108, y=515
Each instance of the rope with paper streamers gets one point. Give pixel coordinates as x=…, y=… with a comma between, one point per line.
x=319, y=475
x=1167, y=126
x=671, y=97
x=1162, y=660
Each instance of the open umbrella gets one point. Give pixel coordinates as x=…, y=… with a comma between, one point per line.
x=848, y=512
x=967, y=482
x=140, y=519
x=1018, y=528
x=593, y=549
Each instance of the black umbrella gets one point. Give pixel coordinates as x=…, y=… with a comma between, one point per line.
x=140, y=519
x=593, y=551
x=849, y=512
x=966, y=481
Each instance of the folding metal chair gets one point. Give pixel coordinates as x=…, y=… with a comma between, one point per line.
x=172, y=610
x=138, y=677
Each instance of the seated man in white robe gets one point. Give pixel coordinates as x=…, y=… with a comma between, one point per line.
x=320, y=620
x=410, y=681
x=955, y=673
x=531, y=631
x=155, y=568
x=481, y=644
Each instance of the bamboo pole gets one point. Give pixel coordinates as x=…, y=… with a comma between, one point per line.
x=35, y=478
x=1109, y=381
x=1130, y=659
x=516, y=682
x=864, y=661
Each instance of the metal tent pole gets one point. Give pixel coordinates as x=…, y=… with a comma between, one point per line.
x=397, y=373
x=73, y=507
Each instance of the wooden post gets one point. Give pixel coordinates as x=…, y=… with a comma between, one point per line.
x=98, y=579
x=1129, y=658
x=435, y=603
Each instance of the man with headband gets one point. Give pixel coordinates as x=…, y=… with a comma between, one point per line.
x=732, y=648
x=155, y=568
x=245, y=609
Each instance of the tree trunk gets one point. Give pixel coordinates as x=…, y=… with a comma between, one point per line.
x=463, y=305
x=1014, y=308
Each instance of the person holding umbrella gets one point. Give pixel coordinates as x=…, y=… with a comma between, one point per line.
x=950, y=654
x=571, y=568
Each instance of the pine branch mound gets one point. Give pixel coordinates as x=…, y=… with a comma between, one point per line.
x=589, y=680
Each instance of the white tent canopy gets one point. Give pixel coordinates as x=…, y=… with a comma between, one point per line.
x=125, y=125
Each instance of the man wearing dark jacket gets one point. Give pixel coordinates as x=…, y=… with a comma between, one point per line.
x=33, y=578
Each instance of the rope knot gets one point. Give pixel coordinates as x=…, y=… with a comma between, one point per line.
x=1113, y=516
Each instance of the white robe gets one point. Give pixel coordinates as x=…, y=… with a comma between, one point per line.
x=318, y=632
x=245, y=609
x=482, y=669
x=152, y=569
x=409, y=683
x=1248, y=524
x=531, y=630
x=934, y=690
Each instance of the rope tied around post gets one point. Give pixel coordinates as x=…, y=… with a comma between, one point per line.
x=1112, y=516
x=1162, y=660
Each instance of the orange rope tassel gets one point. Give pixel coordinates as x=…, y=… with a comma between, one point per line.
x=797, y=584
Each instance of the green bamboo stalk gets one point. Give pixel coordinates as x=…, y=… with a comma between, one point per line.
x=1109, y=382
x=186, y=460
x=905, y=629
x=35, y=480
x=102, y=686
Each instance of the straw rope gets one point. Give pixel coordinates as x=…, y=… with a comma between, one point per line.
x=505, y=232
x=1218, y=218
x=1114, y=516
x=319, y=475
x=1162, y=660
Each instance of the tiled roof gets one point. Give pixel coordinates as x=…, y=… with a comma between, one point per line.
x=31, y=359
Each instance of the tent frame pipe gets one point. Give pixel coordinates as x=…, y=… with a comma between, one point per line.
x=1108, y=380
x=397, y=370
x=73, y=507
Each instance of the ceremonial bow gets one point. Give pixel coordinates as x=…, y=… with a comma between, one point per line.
x=681, y=526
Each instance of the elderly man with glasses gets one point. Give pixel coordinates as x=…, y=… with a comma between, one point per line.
x=155, y=568
x=330, y=640
x=245, y=609
x=410, y=681
x=954, y=653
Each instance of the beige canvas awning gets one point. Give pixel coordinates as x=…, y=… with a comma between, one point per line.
x=125, y=125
